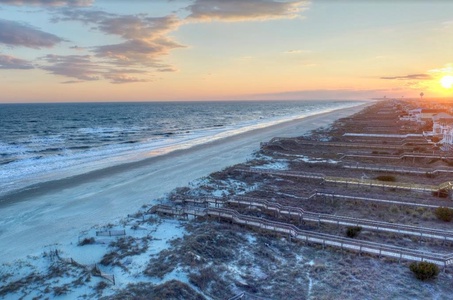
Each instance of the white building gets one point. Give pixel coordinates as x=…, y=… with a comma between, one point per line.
x=442, y=122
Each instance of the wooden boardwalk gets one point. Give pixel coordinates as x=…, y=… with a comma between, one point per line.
x=382, y=143
x=306, y=216
x=293, y=232
x=395, y=169
x=395, y=145
x=352, y=181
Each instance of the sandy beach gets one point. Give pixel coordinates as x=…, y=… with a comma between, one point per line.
x=56, y=212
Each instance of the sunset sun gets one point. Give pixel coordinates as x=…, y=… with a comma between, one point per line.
x=447, y=81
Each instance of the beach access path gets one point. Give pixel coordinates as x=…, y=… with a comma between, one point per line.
x=56, y=212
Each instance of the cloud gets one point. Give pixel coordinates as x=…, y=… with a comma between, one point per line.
x=13, y=33
x=240, y=10
x=145, y=42
x=119, y=78
x=135, y=27
x=447, y=69
x=137, y=52
x=145, y=37
x=75, y=66
x=86, y=68
x=130, y=27
x=13, y=63
x=410, y=77
x=77, y=48
x=72, y=81
x=168, y=69
x=47, y=2
x=298, y=52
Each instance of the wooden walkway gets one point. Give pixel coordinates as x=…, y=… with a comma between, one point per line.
x=396, y=157
x=307, y=236
x=381, y=201
x=380, y=146
x=379, y=135
x=306, y=216
x=395, y=169
x=352, y=181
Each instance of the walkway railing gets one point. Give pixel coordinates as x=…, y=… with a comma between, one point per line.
x=382, y=201
x=378, y=135
x=352, y=181
x=392, y=145
x=307, y=216
x=397, y=169
x=311, y=237
x=397, y=157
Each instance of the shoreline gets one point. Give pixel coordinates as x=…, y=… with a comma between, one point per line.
x=56, y=211
x=22, y=174
x=67, y=182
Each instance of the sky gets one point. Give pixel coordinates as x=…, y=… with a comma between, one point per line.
x=176, y=50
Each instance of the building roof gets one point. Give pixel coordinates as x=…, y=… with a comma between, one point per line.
x=442, y=116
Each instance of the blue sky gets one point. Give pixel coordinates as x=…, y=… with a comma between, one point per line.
x=100, y=50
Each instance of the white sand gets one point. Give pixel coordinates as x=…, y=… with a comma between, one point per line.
x=58, y=212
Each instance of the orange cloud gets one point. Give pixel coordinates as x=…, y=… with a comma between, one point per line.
x=410, y=77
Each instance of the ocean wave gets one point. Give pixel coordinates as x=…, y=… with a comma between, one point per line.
x=44, y=158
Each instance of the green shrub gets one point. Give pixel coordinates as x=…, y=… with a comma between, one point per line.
x=386, y=178
x=352, y=232
x=444, y=213
x=424, y=270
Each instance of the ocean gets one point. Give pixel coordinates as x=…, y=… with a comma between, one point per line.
x=44, y=142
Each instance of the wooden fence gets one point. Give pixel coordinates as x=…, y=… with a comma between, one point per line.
x=92, y=269
x=111, y=233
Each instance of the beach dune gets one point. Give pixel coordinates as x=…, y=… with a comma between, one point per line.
x=56, y=212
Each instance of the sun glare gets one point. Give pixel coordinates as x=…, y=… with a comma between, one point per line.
x=447, y=81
